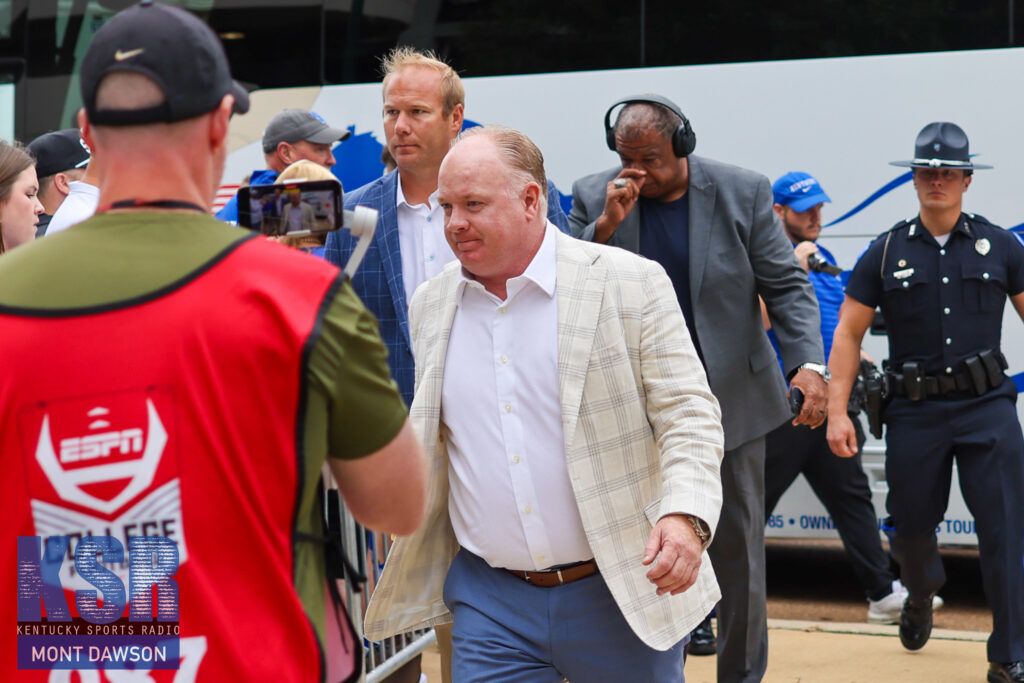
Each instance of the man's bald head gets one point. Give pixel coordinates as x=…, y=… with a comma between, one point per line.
x=491, y=187
x=522, y=159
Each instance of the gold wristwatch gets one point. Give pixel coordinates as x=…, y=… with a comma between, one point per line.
x=700, y=527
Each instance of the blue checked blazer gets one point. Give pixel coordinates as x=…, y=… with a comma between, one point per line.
x=379, y=283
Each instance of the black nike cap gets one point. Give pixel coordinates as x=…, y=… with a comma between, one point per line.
x=172, y=46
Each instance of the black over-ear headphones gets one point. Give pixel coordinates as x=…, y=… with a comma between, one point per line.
x=683, y=138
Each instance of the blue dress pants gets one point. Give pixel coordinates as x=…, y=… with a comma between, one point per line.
x=507, y=630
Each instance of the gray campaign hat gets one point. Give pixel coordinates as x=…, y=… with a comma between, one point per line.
x=941, y=144
x=293, y=125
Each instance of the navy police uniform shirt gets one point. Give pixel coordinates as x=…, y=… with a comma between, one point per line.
x=941, y=304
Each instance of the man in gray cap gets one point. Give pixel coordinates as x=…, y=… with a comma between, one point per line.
x=942, y=279
x=61, y=158
x=292, y=135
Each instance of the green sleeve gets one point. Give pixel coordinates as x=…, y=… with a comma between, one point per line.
x=351, y=392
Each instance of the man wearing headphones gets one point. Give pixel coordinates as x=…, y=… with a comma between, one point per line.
x=712, y=227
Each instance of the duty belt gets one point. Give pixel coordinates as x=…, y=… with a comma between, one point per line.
x=976, y=375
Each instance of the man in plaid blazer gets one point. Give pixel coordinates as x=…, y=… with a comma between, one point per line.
x=574, y=482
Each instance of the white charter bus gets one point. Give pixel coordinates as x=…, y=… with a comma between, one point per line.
x=825, y=88
x=853, y=116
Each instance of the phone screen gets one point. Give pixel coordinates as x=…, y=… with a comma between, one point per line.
x=289, y=208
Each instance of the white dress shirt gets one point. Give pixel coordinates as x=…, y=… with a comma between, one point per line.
x=79, y=205
x=425, y=252
x=511, y=501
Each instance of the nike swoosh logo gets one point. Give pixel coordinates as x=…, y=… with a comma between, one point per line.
x=122, y=55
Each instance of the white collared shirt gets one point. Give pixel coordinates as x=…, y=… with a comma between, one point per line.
x=79, y=205
x=425, y=252
x=511, y=501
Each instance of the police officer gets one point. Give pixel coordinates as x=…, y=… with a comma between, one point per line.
x=941, y=279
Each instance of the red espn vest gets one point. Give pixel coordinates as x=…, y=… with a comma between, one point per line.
x=176, y=414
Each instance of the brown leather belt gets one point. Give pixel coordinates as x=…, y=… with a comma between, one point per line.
x=550, y=578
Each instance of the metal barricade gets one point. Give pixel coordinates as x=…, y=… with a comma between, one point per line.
x=366, y=550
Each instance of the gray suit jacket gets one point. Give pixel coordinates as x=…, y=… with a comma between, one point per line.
x=737, y=251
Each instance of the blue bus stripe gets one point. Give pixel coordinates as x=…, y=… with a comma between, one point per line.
x=1018, y=379
x=885, y=189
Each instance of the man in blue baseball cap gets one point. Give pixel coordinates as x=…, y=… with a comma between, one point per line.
x=840, y=483
x=798, y=200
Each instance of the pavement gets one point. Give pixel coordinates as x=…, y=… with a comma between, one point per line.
x=834, y=652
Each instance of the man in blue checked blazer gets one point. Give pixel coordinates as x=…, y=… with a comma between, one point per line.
x=423, y=112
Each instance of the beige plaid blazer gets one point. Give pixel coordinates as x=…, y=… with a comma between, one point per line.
x=643, y=439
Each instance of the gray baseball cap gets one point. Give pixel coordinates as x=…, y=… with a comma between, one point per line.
x=293, y=125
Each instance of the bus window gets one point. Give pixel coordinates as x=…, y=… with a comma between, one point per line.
x=7, y=111
x=322, y=42
x=5, y=20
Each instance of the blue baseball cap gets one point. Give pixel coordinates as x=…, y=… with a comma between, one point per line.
x=799, y=191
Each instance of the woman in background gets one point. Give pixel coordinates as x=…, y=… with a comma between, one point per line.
x=305, y=169
x=19, y=206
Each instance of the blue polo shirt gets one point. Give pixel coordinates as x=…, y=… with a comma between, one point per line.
x=829, y=290
x=229, y=212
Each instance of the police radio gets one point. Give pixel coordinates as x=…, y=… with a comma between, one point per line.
x=305, y=207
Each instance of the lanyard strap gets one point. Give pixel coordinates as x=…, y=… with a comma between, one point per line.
x=156, y=204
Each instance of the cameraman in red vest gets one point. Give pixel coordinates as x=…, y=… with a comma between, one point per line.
x=166, y=374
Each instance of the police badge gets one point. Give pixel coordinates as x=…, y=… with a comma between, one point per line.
x=982, y=246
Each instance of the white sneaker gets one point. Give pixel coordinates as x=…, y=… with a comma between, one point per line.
x=888, y=609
